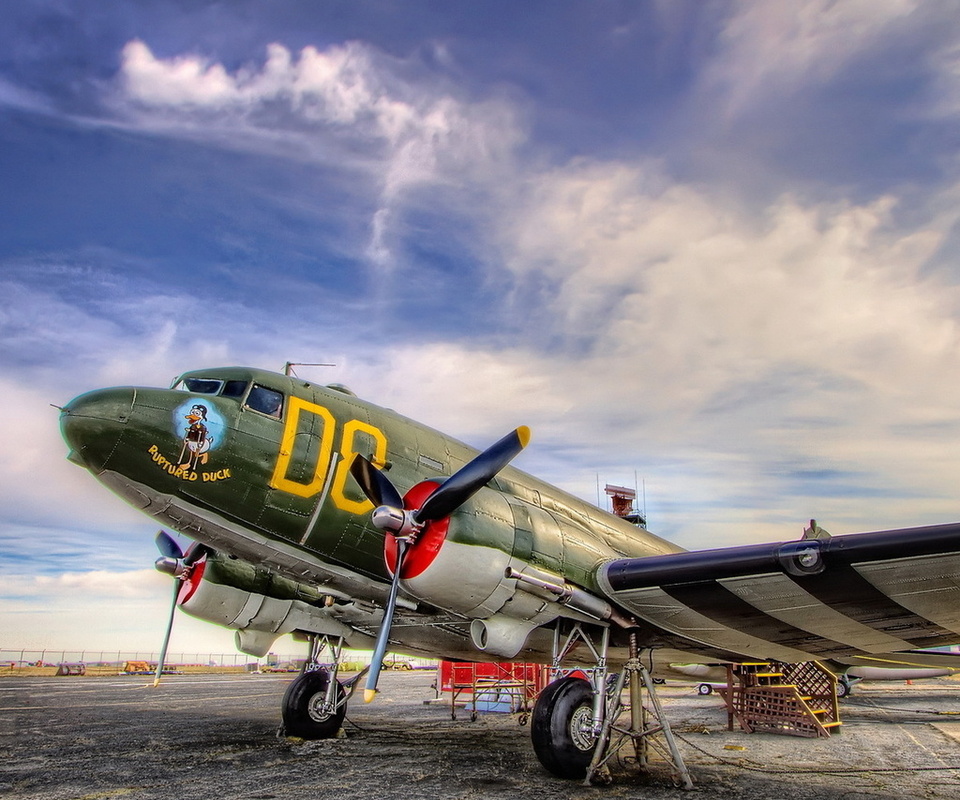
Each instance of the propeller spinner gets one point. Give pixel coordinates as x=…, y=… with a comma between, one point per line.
x=405, y=525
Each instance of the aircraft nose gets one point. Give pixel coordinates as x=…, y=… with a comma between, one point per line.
x=93, y=423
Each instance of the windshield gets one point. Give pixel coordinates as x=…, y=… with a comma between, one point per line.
x=213, y=386
x=202, y=385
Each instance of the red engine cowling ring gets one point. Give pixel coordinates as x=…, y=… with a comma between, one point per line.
x=424, y=550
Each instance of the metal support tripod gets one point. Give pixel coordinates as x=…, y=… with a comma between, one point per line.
x=645, y=724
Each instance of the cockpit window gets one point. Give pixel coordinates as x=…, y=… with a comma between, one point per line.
x=202, y=385
x=234, y=388
x=231, y=388
x=266, y=401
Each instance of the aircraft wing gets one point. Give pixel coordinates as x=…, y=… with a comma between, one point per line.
x=877, y=594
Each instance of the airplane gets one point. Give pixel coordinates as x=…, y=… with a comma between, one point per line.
x=317, y=513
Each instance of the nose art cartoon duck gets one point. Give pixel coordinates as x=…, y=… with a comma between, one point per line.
x=196, y=440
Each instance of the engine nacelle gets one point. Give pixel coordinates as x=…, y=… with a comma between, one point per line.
x=481, y=570
x=222, y=593
x=466, y=575
x=259, y=620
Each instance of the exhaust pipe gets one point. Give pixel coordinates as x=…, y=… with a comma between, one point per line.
x=570, y=596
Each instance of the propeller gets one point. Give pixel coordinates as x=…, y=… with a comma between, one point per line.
x=406, y=524
x=173, y=561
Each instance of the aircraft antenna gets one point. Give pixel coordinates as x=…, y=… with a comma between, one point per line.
x=288, y=367
x=643, y=513
x=641, y=484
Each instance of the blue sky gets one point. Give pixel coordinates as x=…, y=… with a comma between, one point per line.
x=711, y=246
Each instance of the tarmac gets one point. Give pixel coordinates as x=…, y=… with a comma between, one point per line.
x=215, y=736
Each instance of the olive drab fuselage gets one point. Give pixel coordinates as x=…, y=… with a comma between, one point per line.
x=257, y=465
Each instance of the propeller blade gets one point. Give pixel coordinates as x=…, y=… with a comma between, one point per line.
x=376, y=486
x=166, y=636
x=376, y=663
x=168, y=546
x=473, y=476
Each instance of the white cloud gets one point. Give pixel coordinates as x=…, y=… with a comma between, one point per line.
x=142, y=583
x=37, y=484
x=774, y=47
x=344, y=106
x=945, y=61
x=679, y=282
x=17, y=97
x=186, y=80
x=117, y=612
x=775, y=344
x=340, y=86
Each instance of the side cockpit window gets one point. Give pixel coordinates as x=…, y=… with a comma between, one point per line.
x=266, y=401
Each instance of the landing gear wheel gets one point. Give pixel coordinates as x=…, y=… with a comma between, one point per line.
x=562, y=727
x=304, y=714
x=843, y=688
x=704, y=689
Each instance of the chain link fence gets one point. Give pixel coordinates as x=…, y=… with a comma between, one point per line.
x=125, y=662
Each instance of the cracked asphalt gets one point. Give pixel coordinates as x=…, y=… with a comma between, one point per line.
x=215, y=736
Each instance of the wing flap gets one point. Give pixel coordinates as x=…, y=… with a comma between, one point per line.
x=869, y=593
x=928, y=586
x=782, y=598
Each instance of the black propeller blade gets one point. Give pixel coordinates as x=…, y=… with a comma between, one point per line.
x=376, y=486
x=383, y=635
x=168, y=546
x=166, y=636
x=473, y=476
x=406, y=524
x=174, y=562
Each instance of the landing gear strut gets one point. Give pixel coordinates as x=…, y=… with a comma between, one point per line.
x=315, y=704
x=575, y=727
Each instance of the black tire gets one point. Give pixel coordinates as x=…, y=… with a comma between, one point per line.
x=302, y=712
x=704, y=689
x=843, y=688
x=562, y=727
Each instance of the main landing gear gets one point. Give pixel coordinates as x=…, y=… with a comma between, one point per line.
x=315, y=704
x=576, y=727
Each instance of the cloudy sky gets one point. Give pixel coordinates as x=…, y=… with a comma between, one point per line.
x=707, y=246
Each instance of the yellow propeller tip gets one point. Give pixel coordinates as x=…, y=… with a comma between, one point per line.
x=368, y=695
x=523, y=433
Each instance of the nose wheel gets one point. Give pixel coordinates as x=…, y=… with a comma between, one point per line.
x=315, y=704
